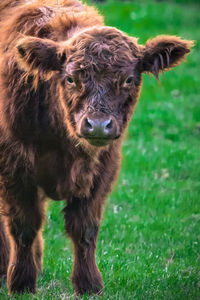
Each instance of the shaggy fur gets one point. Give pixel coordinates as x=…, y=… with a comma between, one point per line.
x=61, y=73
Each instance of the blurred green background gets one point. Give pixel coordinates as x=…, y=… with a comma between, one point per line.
x=149, y=243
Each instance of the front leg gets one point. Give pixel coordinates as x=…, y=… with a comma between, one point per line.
x=22, y=269
x=23, y=223
x=83, y=215
x=22, y=215
x=4, y=252
x=82, y=226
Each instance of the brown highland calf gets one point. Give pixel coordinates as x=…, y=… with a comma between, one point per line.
x=68, y=88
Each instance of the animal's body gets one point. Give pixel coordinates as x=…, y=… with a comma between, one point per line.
x=68, y=88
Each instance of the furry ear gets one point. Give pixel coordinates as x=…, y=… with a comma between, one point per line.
x=164, y=52
x=39, y=56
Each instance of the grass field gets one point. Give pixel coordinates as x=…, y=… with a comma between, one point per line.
x=149, y=243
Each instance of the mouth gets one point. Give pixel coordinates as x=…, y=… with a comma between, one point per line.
x=98, y=142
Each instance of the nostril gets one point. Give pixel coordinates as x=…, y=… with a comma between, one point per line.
x=88, y=124
x=109, y=124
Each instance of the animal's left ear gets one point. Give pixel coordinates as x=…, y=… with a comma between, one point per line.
x=163, y=53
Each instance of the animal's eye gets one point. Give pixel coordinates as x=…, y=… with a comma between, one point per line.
x=129, y=80
x=70, y=80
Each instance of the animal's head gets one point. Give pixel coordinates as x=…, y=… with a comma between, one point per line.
x=100, y=73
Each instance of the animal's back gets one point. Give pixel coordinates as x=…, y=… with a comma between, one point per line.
x=51, y=19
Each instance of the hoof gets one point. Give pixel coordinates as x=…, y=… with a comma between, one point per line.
x=84, y=286
x=20, y=282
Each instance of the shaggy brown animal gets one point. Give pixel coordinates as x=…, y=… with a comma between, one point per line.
x=68, y=88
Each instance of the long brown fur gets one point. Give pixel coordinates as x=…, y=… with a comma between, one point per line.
x=59, y=64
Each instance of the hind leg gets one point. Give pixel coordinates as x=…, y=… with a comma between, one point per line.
x=4, y=252
x=38, y=250
x=38, y=242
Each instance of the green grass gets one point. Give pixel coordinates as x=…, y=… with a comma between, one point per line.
x=149, y=243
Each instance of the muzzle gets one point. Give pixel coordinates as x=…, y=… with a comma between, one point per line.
x=99, y=129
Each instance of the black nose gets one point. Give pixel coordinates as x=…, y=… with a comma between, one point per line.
x=99, y=128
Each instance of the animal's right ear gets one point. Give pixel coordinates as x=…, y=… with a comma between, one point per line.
x=39, y=56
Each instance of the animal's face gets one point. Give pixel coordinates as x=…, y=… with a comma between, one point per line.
x=100, y=76
x=101, y=83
